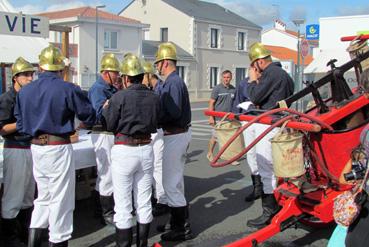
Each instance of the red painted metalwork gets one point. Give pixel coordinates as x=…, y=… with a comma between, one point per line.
x=328, y=148
x=350, y=38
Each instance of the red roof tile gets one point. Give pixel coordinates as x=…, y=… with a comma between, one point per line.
x=88, y=12
x=283, y=53
x=293, y=33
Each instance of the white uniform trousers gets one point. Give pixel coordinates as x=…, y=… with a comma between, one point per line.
x=54, y=172
x=103, y=144
x=174, y=158
x=19, y=185
x=158, y=147
x=132, y=168
x=264, y=156
x=249, y=135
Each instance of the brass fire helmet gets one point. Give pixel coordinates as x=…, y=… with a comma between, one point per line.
x=258, y=51
x=21, y=65
x=148, y=67
x=109, y=63
x=131, y=66
x=166, y=51
x=51, y=59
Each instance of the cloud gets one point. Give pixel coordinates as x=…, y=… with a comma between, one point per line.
x=353, y=10
x=298, y=12
x=254, y=11
x=67, y=4
x=29, y=9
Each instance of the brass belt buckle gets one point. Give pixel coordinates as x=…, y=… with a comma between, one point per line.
x=43, y=139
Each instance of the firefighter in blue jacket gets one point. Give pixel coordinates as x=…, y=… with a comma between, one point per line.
x=103, y=141
x=19, y=185
x=46, y=109
x=175, y=120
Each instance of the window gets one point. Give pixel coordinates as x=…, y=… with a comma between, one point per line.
x=241, y=41
x=240, y=75
x=214, y=37
x=164, y=34
x=181, y=71
x=213, y=76
x=110, y=40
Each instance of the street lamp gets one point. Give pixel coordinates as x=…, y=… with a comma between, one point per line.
x=298, y=22
x=97, y=37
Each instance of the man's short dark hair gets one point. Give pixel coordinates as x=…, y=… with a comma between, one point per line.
x=226, y=72
x=137, y=79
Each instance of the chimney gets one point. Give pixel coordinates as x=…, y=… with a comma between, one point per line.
x=280, y=25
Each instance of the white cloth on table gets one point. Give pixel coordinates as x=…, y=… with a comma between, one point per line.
x=83, y=150
x=84, y=154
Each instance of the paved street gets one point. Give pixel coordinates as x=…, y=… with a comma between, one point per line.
x=218, y=213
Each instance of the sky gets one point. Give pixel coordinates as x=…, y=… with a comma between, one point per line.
x=261, y=12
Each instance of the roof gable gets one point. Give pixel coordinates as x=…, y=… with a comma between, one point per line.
x=211, y=12
x=87, y=12
x=283, y=53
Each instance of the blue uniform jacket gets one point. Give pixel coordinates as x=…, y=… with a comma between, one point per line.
x=241, y=95
x=98, y=94
x=175, y=103
x=48, y=105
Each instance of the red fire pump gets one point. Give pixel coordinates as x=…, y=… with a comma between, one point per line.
x=337, y=119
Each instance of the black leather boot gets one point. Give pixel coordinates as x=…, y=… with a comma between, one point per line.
x=24, y=219
x=61, y=244
x=107, y=206
x=10, y=233
x=142, y=234
x=35, y=237
x=97, y=204
x=270, y=208
x=123, y=237
x=257, y=189
x=160, y=209
x=167, y=226
x=178, y=230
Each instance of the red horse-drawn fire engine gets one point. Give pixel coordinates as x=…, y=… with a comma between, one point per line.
x=331, y=131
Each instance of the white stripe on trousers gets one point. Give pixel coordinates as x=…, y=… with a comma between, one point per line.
x=103, y=144
x=132, y=168
x=158, y=146
x=19, y=185
x=174, y=158
x=249, y=136
x=54, y=172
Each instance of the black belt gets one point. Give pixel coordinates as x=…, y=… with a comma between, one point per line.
x=99, y=129
x=174, y=130
x=11, y=143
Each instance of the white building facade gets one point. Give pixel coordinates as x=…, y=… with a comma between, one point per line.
x=115, y=35
x=215, y=37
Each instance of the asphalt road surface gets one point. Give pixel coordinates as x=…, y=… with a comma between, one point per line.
x=218, y=213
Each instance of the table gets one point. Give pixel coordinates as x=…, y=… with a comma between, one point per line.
x=84, y=153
